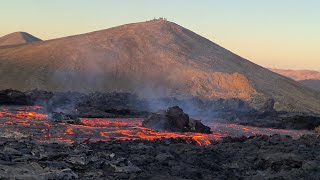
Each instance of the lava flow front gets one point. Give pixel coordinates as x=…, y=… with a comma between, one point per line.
x=28, y=121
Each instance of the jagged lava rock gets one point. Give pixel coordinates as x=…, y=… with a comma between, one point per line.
x=60, y=117
x=175, y=120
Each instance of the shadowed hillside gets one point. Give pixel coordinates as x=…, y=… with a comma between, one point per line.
x=152, y=59
x=315, y=84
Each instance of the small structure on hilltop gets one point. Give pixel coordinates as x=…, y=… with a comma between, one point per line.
x=160, y=19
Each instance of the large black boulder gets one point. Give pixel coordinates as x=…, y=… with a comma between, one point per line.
x=175, y=120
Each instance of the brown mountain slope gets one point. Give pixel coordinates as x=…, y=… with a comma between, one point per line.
x=306, y=77
x=155, y=58
x=17, y=38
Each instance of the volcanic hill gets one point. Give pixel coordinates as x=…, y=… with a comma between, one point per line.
x=17, y=38
x=153, y=59
x=306, y=77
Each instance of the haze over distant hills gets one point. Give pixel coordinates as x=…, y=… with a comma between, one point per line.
x=17, y=38
x=299, y=75
x=153, y=59
x=306, y=77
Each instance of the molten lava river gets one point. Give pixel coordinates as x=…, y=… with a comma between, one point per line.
x=28, y=121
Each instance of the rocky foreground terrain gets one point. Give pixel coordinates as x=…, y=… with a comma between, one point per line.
x=257, y=157
x=24, y=156
x=33, y=147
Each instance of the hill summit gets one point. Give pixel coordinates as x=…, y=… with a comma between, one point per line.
x=17, y=38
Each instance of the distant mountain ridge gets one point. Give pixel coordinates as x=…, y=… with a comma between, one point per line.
x=152, y=59
x=17, y=38
x=299, y=75
x=306, y=77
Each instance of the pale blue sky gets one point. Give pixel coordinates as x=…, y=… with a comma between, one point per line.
x=272, y=33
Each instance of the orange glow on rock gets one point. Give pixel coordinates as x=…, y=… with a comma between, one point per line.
x=69, y=130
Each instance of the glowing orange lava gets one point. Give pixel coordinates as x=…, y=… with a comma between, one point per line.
x=69, y=130
x=29, y=121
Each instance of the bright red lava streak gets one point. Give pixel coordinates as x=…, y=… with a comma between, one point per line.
x=28, y=121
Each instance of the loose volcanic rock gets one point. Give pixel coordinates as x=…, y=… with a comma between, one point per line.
x=302, y=122
x=121, y=165
x=65, y=174
x=256, y=157
x=175, y=120
x=13, y=97
x=60, y=117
